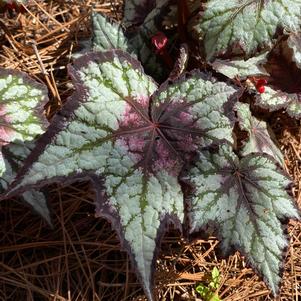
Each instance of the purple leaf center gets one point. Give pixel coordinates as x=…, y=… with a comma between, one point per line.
x=161, y=140
x=6, y=130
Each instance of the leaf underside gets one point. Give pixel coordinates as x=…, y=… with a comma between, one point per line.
x=246, y=201
x=22, y=120
x=132, y=144
x=241, y=27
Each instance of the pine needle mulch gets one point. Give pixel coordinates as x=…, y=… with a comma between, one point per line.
x=80, y=258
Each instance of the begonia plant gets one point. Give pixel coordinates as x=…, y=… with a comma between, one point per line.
x=188, y=148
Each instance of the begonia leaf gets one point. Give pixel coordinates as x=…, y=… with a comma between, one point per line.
x=245, y=201
x=14, y=156
x=283, y=90
x=108, y=34
x=239, y=68
x=21, y=114
x=259, y=139
x=244, y=26
x=142, y=41
x=135, y=11
x=281, y=70
x=274, y=99
x=132, y=143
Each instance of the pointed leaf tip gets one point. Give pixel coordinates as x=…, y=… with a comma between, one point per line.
x=109, y=130
x=108, y=34
x=247, y=200
x=239, y=68
x=105, y=131
x=259, y=139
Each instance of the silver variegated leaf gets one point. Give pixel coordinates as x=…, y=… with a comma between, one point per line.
x=131, y=144
x=246, y=200
x=104, y=132
x=259, y=139
x=239, y=68
x=21, y=106
x=274, y=99
x=282, y=90
x=243, y=26
x=21, y=113
x=108, y=34
x=198, y=110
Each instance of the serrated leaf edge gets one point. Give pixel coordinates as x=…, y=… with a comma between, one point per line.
x=38, y=111
x=228, y=108
x=202, y=232
x=58, y=122
x=112, y=217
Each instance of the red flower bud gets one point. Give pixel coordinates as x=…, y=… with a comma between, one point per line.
x=159, y=40
x=261, y=82
x=261, y=89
